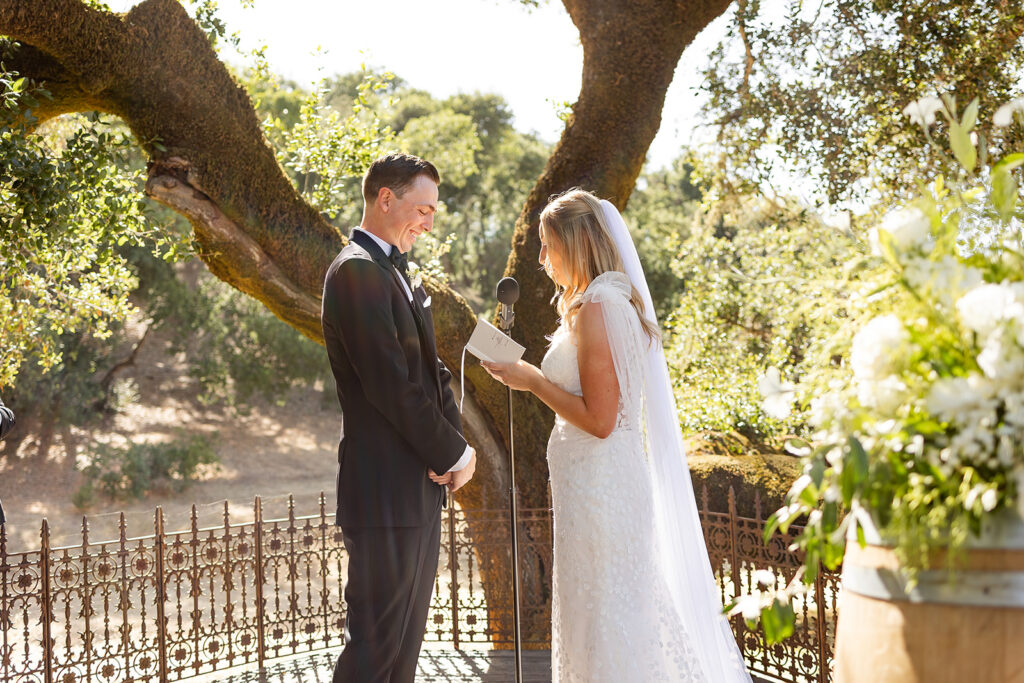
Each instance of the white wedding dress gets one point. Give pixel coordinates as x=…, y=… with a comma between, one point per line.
x=614, y=618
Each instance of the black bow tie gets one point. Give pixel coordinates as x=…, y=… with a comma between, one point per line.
x=400, y=261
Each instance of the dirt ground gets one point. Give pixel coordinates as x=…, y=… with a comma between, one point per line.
x=273, y=452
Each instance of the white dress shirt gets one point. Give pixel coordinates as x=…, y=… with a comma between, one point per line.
x=386, y=247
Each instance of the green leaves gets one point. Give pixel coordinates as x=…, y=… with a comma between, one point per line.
x=778, y=620
x=960, y=137
x=69, y=207
x=1003, y=194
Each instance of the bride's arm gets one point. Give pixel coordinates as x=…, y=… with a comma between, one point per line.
x=596, y=411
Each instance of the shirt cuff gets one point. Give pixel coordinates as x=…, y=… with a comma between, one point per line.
x=463, y=461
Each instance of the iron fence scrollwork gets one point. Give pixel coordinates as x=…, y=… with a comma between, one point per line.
x=170, y=606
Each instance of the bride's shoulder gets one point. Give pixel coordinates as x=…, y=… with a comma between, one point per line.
x=610, y=286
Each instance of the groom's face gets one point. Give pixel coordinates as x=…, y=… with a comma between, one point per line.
x=412, y=214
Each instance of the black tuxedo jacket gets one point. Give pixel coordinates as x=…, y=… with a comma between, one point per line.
x=400, y=417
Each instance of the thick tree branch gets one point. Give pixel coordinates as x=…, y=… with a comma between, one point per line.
x=218, y=237
x=86, y=41
x=65, y=88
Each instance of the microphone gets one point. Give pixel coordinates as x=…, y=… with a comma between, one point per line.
x=508, y=294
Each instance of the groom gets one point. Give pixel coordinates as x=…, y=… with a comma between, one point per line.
x=401, y=425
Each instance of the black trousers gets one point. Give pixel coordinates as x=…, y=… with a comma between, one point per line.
x=391, y=575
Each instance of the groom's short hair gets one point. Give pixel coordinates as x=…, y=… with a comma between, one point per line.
x=396, y=172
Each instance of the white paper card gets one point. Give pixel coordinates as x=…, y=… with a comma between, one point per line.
x=488, y=343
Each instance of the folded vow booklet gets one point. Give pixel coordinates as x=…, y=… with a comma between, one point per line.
x=489, y=343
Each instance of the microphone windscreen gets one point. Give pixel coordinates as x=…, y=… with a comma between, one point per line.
x=508, y=291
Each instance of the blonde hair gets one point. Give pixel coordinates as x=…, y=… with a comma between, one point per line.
x=576, y=221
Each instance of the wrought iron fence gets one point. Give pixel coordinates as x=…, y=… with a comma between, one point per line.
x=172, y=605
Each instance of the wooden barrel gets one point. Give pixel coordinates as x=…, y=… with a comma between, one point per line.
x=966, y=630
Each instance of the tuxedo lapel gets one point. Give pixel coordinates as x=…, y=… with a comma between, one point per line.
x=428, y=347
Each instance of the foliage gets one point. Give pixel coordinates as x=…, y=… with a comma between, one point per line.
x=661, y=214
x=235, y=348
x=482, y=208
x=924, y=437
x=68, y=199
x=814, y=91
x=762, y=286
x=139, y=468
x=487, y=167
x=327, y=153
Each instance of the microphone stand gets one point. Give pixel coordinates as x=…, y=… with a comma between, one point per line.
x=506, y=318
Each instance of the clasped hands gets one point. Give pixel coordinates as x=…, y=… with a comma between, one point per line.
x=455, y=480
x=520, y=376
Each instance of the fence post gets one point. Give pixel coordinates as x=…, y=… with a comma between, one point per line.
x=324, y=593
x=819, y=598
x=734, y=557
x=453, y=566
x=125, y=590
x=261, y=640
x=293, y=573
x=47, y=615
x=87, y=636
x=4, y=612
x=161, y=616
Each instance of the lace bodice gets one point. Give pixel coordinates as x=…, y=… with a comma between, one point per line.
x=561, y=363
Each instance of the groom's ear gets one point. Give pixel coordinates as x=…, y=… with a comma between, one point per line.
x=385, y=197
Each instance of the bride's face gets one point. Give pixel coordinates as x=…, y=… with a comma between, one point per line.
x=551, y=258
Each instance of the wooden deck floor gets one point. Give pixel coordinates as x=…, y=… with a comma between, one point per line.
x=437, y=665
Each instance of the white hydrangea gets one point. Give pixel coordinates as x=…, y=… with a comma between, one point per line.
x=885, y=395
x=961, y=399
x=947, y=279
x=986, y=306
x=908, y=227
x=1001, y=359
x=876, y=348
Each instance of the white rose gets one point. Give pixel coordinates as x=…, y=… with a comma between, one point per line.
x=1004, y=115
x=989, y=499
x=972, y=497
x=749, y=606
x=876, y=346
x=922, y=111
x=778, y=395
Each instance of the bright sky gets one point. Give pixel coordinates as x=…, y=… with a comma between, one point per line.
x=531, y=57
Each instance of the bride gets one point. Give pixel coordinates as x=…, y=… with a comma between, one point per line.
x=634, y=597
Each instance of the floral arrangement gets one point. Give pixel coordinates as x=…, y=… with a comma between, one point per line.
x=923, y=439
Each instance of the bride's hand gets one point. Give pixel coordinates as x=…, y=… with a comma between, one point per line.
x=520, y=375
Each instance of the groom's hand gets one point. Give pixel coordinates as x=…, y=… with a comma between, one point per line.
x=461, y=477
x=442, y=479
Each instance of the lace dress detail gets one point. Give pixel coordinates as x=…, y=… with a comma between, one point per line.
x=613, y=618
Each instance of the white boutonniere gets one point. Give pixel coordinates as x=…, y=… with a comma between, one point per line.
x=415, y=275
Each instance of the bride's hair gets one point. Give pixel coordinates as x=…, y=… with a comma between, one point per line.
x=576, y=221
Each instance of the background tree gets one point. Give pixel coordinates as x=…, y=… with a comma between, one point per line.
x=816, y=92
